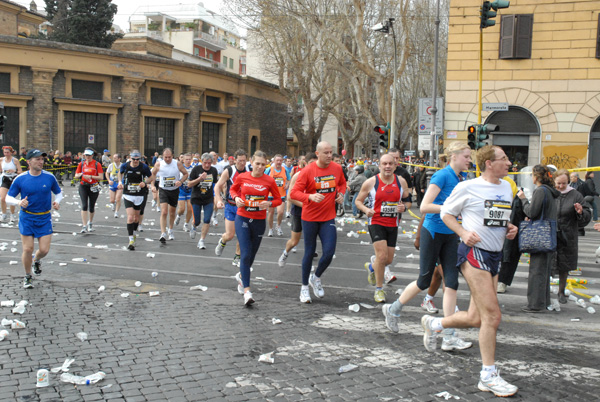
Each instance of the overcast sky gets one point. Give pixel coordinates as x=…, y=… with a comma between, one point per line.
x=128, y=7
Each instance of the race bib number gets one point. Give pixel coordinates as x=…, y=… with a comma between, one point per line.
x=134, y=187
x=279, y=181
x=496, y=213
x=325, y=184
x=252, y=201
x=206, y=184
x=95, y=188
x=389, y=209
x=169, y=181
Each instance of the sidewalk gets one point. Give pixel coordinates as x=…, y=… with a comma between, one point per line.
x=191, y=345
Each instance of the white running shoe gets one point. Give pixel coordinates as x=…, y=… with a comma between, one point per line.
x=116, y=215
x=215, y=222
x=294, y=250
x=220, y=247
x=240, y=286
x=186, y=227
x=429, y=335
x=248, y=300
x=389, y=277
x=391, y=321
x=279, y=231
x=12, y=218
x=305, y=296
x=177, y=220
x=193, y=233
x=158, y=208
x=201, y=245
x=153, y=203
x=453, y=342
x=428, y=306
x=140, y=228
x=282, y=259
x=112, y=207
x=270, y=233
x=90, y=227
x=4, y=217
x=495, y=384
x=171, y=236
x=316, y=285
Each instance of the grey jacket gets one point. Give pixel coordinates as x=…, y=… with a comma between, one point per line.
x=568, y=223
x=533, y=209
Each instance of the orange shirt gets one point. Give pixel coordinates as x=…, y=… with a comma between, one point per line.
x=280, y=179
x=328, y=181
x=94, y=168
x=254, y=190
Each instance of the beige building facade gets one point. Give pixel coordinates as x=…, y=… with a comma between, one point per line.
x=542, y=58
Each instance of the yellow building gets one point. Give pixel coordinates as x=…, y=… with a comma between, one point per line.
x=542, y=58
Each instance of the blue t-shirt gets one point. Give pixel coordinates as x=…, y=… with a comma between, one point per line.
x=446, y=180
x=38, y=190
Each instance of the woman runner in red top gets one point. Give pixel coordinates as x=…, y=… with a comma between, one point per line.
x=385, y=193
x=90, y=172
x=250, y=192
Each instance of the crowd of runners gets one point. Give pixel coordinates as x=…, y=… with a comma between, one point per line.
x=464, y=225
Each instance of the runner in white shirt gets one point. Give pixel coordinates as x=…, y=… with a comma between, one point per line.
x=485, y=206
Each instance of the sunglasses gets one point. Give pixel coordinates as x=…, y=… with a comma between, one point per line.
x=135, y=159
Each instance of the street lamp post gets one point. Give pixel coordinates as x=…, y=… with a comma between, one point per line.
x=434, y=110
x=385, y=28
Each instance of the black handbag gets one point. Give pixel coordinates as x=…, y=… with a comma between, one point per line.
x=538, y=236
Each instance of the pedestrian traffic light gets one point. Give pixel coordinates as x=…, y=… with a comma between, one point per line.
x=487, y=14
x=2, y=120
x=472, y=136
x=383, y=135
x=484, y=134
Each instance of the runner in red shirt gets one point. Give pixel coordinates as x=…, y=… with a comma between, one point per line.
x=90, y=172
x=318, y=187
x=250, y=192
x=387, y=194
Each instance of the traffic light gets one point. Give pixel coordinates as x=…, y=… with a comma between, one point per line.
x=383, y=133
x=487, y=14
x=2, y=120
x=472, y=136
x=484, y=134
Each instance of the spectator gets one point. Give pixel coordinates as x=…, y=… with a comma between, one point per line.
x=355, y=185
x=542, y=199
x=573, y=212
x=591, y=194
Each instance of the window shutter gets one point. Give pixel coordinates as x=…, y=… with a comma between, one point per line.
x=523, y=31
x=598, y=40
x=507, y=36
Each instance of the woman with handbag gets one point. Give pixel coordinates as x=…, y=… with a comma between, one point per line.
x=573, y=212
x=541, y=207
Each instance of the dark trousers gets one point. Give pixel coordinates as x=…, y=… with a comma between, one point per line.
x=538, y=285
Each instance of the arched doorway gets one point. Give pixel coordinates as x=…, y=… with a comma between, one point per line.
x=594, y=151
x=519, y=135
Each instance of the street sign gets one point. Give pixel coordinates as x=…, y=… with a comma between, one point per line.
x=160, y=141
x=411, y=152
x=495, y=107
x=90, y=139
x=424, y=143
x=425, y=118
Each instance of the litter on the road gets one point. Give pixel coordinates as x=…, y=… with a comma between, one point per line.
x=101, y=288
x=575, y=319
x=3, y=334
x=591, y=310
x=276, y=321
x=199, y=287
x=43, y=379
x=446, y=395
x=354, y=307
x=62, y=264
x=125, y=294
x=595, y=300
x=138, y=284
x=16, y=324
x=14, y=243
x=75, y=379
x=154, y=274
x=147, y=239
x=108, y=304
x=7, y=303
x=20, y=307
x=410, y=256
x=267, y=358
x=150, y=255
x=367, y=306
x=154, y=293
x=13, y=250
x=101, y=246
x=64, y=367
x=347, y=368
x=365, y=243
x=13, y=262
x=82, y=336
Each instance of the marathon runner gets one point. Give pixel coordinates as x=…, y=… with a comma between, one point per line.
x=112, y=176
x=184, y=204
x=90, y=172
x=202, y=181
x=11, y=168
x=282, y=177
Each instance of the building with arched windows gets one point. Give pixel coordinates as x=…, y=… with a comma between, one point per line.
x=543, y=60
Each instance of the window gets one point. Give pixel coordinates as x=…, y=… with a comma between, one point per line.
x=196, y=51
x=11, y=127
x=515, y=36
x=213, y=103
x=231, y=64
x=598, y=39
x=225, y=61
x=85, y=130
x=161, y=97
x=210, y=137
x=159, y=134
x=4, y=82
x=81, y=89
x=210, y=56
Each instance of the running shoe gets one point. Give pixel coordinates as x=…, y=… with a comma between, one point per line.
x=270, y=233
x=316, y=285
x=186, y=227
x=4, y=217
x=279, y=231
x=288, y=215
x=171, y=236
x=11, y=219
x=371, y=274
x=248, y=300
x=201, y=245
x=140, y=228
x=215, y=223
x=316, y=255
x=305, y=296
x=28, y=282
x=294, y=250
x=219, y=248
x=428, y=306
x=391, y=320
x=131, y=245
x=389, y=277
x=501, y=288
x=372, y=260
x=453, y=342
x=37, y=268
x=240, y=286
x=84, y=229
x=429, y=335
x=177, y=220
x=112, y=206
x=116, y=214
x=236, y=261
x=379, y=296
x=163, y=238
x=282, y=259
x=158, y=208
x=153, y=203
x=495, y=384
x=193, y=233
x=90, y=227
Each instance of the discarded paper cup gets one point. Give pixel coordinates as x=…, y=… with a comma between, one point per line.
x=42, y=378
x=354, y=307
x=138, y=284
x=153, y=293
